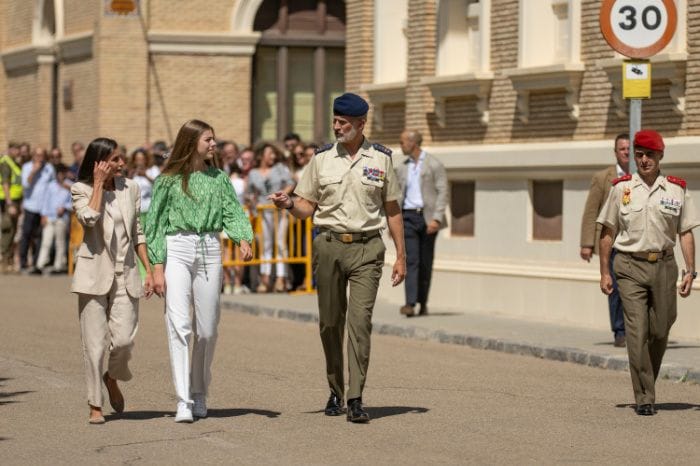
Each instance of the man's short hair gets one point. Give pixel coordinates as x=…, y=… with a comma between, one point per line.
x=291, y=136
x=624, y=136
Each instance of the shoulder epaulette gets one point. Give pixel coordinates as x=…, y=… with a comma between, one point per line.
x=621, y=178
x=323, y=148
x=381, y=148
x=675, y=180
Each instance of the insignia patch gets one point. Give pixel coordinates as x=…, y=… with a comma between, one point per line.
x=673, y=205
x=675, y=180
x=381, y=148
x=373, y=174
x=323, y=148
x=622, y=178
x=626, y=196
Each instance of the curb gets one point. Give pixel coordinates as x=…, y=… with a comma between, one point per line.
x=562, y=354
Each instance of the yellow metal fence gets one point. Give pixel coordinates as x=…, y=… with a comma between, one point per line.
x=298, y=239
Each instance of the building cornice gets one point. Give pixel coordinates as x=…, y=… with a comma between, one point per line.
x=553, y=159
x=178, y=42
x=381, y=94
x=462, y=85
x=75, y=47
x=27, y=56
x=564, y=76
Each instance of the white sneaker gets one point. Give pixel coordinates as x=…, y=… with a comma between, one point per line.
x=200, y=405
x=184, y=412
x=227, y=289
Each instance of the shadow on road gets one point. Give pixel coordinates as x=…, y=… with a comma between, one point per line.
x=232, y=412
x=4, y=394
x=138, y=415
x=438, y=314
x=664, y=406
x=378, y=412
x=235, y=412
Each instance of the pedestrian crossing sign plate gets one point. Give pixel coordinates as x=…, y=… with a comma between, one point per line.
x=636, y=79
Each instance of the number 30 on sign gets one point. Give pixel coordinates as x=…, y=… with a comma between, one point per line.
x=638, y=28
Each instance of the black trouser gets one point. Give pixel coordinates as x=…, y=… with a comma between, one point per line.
x=420, y=248
x=31, y=235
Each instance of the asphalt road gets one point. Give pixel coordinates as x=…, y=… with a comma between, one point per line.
x=429, y=402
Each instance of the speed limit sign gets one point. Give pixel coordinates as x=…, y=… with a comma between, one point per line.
x=638, y=28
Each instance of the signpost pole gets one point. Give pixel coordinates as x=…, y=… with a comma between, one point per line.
x=635, y=125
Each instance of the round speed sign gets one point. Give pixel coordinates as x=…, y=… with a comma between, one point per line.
x=638, y=28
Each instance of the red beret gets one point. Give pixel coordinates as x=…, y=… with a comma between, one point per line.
x=649, y=139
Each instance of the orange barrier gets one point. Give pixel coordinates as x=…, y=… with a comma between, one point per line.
x=298, y=245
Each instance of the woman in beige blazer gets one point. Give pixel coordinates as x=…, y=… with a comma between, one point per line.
x=106, y=277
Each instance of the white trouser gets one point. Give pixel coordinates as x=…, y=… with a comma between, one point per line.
x=107, y=321
x=54, y=233
x=192, y=276
x=270, y=235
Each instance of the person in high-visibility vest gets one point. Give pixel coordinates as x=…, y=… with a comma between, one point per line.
x=10, y=202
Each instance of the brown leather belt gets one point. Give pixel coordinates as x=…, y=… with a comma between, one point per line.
x=416, y=211
x=362, y=236
x=649, y=256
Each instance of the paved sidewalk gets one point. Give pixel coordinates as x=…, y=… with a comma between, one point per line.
x=560, y=343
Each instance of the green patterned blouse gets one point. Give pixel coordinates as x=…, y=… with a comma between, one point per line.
x=212, y=206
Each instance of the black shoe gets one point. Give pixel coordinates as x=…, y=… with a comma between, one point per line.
x=334, y=407
x=423, y=310
x=355, y=411
x=645, y=410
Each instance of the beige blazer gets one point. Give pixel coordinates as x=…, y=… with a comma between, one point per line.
x=597, y=194
x=433, y=188
x=94, y=269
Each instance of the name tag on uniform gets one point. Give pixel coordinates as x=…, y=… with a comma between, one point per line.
x=373, y=174
x=670, y=205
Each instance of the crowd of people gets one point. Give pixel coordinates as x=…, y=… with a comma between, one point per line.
x=36, y=204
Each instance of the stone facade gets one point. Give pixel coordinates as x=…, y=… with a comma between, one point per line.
x=130, y=77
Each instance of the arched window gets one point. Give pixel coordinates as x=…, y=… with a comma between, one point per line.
x=299, y=68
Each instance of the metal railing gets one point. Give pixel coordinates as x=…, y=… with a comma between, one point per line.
x=298, y=238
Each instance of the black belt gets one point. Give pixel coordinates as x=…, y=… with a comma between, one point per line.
x=362, y=236
x=417, y=211
x=649, y=256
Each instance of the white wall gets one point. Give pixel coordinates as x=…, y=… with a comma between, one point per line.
x=390, y=44
x=500, y=271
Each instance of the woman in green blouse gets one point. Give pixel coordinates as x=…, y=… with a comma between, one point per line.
x=192, y=203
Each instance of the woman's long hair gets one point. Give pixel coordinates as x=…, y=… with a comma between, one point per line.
x=98, y=150
x=183, y=159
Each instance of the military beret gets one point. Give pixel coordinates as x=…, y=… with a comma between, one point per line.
x=649, y=139
x=350, y=104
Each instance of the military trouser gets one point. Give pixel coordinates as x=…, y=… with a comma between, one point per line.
x=648, y=292
x=8, y=225
x=337, y=264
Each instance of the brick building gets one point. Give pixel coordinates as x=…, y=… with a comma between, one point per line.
x=519, y=98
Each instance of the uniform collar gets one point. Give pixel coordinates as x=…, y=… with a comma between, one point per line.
x=660, y=182
x=364, y=149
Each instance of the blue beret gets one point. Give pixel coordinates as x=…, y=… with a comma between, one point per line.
x=350, y=104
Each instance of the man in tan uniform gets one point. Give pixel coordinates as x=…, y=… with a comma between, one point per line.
x=590, y=230
x=641, y=219
x=351, y=190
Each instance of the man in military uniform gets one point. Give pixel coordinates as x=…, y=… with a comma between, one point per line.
x=351, y=189
x=601, y=183
x=10, y=202
x=641, y=219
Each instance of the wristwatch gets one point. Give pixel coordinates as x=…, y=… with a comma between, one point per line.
x=694, y=274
